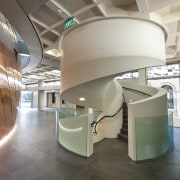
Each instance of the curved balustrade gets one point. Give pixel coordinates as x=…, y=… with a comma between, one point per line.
x=153, y=145
x=143, y=115
x=74, y=131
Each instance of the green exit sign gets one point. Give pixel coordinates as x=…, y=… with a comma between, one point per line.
x=68, y=23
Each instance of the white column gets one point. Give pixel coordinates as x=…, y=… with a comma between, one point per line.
x=40, y=96
x=58, y=99
x=34, y=101
x=142, y=76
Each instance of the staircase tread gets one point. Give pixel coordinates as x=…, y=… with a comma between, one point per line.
x=123, y=135
x=125, y=121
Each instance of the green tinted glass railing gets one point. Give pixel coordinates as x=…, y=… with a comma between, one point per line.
x=73, y=134
x=74, y=131
x=67, y=112
x=170, y=130
x=154, y=136
x=176, y=103
x=96, y=114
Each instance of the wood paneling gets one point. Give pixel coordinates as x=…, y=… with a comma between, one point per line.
x=10, y=77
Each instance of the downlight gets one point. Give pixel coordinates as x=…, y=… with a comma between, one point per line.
x=82, y=99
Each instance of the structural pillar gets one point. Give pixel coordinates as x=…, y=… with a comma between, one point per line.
x=142, y=76
x=40, y=96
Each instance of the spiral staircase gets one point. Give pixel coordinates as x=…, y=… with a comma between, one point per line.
x=96, y=52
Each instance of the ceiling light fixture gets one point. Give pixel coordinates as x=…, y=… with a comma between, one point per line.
x=82, y=99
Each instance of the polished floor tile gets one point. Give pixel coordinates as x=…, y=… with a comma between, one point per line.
x=33, y=154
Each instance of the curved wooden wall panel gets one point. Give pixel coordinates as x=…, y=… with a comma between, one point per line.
x=10, y=77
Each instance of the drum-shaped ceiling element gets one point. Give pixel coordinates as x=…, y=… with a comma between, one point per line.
x=109, y=46
x=106, y=47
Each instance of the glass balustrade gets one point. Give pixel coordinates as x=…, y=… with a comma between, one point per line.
x=154, y=136
x=74, y=131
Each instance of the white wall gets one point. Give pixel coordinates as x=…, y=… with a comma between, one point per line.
x=41, y=100
x=34, y=103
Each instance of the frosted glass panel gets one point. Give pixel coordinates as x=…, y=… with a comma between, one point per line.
x=170, y=130
x=74, y=131
x=96, y=114
x=176, y=101
x=153, y=136
x=67, y=112
x=73, y=134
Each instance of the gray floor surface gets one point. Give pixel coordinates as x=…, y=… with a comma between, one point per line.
x=33, y=154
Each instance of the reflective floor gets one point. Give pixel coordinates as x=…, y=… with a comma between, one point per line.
x=32, y=154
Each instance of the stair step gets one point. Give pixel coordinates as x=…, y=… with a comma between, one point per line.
x=125, y=121
x=124, y=105
x=124, y=131
x=125, y=126
x=125, y=109
x=125, y=115
x=123, y=137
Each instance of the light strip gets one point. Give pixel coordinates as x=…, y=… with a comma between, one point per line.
x=70, y=130
x=22, y=54
x=6, y=138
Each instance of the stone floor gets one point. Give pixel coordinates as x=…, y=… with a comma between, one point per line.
x=32, y=154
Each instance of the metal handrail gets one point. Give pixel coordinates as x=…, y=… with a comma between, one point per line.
x=94, y=124
x=106, y=116
x=137, y=91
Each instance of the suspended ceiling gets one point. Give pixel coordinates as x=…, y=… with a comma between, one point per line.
x=48, y=17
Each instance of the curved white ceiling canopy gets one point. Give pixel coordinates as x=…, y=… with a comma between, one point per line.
x=105, y=47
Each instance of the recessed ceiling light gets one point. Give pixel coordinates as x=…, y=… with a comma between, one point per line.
x=82, y=99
